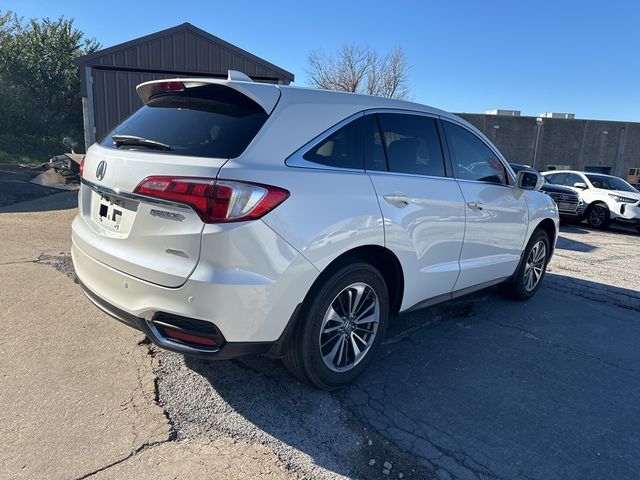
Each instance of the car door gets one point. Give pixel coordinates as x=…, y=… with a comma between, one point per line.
x=423, y=208
x=496, y=212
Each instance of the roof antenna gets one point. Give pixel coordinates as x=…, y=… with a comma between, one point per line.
x=236, y=76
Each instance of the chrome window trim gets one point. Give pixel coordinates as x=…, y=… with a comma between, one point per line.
x=498, y=155
x=401, y=174
x=296, y=159
x=102, y=190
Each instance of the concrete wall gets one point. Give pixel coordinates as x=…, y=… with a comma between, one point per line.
x=577, y=143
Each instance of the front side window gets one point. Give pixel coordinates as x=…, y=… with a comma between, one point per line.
x=412, y=144
x=472, y=159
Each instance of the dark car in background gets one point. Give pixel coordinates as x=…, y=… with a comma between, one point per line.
x=570, y=206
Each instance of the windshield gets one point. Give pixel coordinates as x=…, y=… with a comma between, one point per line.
x=209, y=121
x=607, y=182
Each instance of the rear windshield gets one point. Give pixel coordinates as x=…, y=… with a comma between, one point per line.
x=208, y=121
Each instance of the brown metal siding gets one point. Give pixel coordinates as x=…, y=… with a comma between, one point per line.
x=115, y=98
x=180, y=51
x=184, y=51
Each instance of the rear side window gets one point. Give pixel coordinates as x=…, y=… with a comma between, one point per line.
x=412, y=143
x=572, y=179
x=341, y=149
x=557, y=178
x=209, y=121
x=472, y=159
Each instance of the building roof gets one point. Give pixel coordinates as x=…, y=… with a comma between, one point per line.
x=147, y=53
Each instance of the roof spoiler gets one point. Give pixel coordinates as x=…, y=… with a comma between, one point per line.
x=236, y=76
x=264, y=94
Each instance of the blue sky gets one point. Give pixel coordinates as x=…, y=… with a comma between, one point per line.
x=465, y=56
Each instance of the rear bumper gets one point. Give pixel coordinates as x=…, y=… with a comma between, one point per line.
x=224, y=351
x=246, y=291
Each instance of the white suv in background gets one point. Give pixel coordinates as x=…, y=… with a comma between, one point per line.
x=227, y=217
x=606, y=198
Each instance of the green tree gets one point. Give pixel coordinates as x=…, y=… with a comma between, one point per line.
x=39, y=85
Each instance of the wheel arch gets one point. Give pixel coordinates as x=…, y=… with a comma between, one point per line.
x=549, y=227
x=383, y=259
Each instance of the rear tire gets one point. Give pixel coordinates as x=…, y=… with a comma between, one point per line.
x=342, y=324
x=533, y=266
x=599, y=216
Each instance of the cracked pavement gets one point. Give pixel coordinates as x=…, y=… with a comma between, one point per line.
x=78, y=393
x=480, y=388
x=487, y=388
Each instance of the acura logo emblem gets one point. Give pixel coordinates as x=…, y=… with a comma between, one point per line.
x=101, y=170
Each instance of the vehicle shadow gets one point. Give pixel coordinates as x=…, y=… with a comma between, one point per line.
x=481, y=386
x=584, y=229
x=47, y=201
x=565, y=243
x=18, y=194
x=272, y=404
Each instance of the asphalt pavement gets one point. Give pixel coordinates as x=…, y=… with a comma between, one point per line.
x=480, y=388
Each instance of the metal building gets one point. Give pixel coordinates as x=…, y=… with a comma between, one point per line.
x=108, y=77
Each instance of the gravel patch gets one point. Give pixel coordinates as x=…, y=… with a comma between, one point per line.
x=61, y=262
x=255, y=400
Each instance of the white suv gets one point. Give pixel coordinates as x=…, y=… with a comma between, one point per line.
x=606, y=198
x=227, y=217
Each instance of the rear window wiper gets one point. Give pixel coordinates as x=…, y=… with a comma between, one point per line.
x=133, y=140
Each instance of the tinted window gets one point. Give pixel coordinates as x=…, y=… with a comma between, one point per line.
x=341, y=149
x=373, y=150
x=571, y=179
x=472, y=159
x=557, y=178
x=209, y=121
x=412, y=144
x=610, y=183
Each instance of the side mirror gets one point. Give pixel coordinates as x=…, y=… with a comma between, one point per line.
x=527, y=180
x=580, y=185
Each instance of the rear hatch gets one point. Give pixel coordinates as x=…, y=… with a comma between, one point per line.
x=182, y=132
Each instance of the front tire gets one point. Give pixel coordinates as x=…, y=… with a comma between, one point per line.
x=341, y=327
x=599, y=216
x=533, y=266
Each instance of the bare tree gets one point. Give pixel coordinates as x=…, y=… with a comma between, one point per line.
x=360, y=70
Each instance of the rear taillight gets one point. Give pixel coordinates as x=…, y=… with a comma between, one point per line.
x=82, y=165
x=215, y=201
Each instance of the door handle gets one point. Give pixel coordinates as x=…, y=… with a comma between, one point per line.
x=398, y=199
x=475, y=205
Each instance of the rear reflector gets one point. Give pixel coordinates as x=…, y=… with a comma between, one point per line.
x=215, y=201
x=188, y=338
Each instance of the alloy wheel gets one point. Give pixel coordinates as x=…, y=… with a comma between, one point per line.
x=597, y=216
x=349, y=327
x=535, y=265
